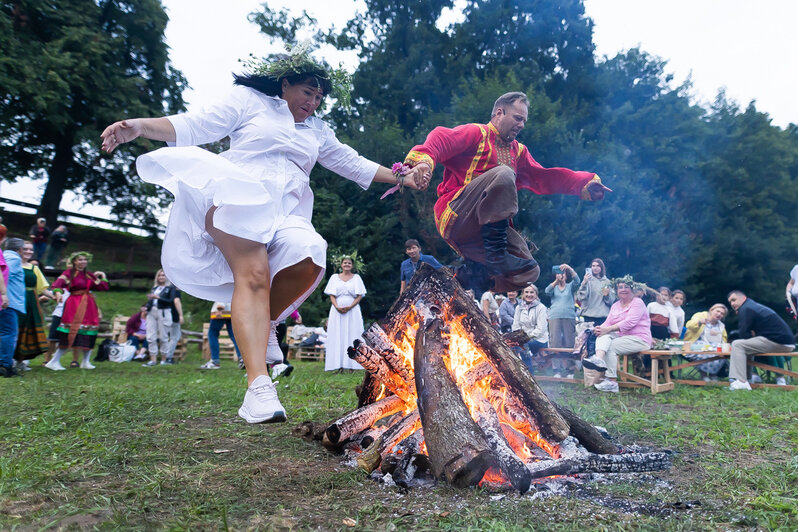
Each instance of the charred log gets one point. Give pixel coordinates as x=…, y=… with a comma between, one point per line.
x=602, y=463
x=405, y=459
x=310, y=430
x=457, y=447
x=516, y=338
x=361, y=419
x=372, y=456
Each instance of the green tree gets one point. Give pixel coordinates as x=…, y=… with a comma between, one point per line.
x=69, y=68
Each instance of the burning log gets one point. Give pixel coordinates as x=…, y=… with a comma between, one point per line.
x=373, y=362
x=598, y=463
x=376, y=338
x=515, y=374
x=370, y=390
x=372, y=456
x=476, y=374
x=456, y=446
x=509, y=462
x=519, y=440
x=440, y=288
x=361, y=419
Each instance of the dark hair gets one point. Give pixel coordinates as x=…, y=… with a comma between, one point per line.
x=738, y=292
x=273, y=87
x=601, y=263
x=411, y=242
x=14, y=244
x=679, y=292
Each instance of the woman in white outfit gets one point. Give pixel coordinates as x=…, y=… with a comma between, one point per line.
x=239, y=229
x=345, y=322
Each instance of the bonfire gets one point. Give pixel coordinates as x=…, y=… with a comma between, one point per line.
x=445, y=394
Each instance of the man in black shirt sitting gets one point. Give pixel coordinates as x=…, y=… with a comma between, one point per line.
x=761, y=331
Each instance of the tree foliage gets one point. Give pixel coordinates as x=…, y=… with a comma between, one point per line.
x=702, y=198
x=69, y=68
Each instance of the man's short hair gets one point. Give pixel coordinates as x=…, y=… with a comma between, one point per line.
x=507, y=100
x=738, y=292
x=14, y=244
x=410, y=242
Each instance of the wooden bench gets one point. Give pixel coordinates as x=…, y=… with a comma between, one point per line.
x=725, y=355
x=119, y=335
x=626, y=378
x=226, y=347
x=315, y=352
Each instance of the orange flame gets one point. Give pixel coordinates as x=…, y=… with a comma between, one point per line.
x=463, y=356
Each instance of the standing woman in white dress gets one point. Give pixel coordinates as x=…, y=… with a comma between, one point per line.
x=345, y=323
x=240, y=229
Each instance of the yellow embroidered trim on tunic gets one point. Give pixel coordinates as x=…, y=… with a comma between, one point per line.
x=477, y=157
x=585, y=195
x=520, y=149
x=416, y=157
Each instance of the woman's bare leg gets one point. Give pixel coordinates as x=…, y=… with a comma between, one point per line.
x=290, y=283
x=249, y=263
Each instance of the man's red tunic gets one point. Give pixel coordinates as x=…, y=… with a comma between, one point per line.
x=469, y=150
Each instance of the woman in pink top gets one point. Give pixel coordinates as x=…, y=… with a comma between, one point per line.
x=626, y=330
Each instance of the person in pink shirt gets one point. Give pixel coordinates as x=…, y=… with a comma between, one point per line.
x=626, y=330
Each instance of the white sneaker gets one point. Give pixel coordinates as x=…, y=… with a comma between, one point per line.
x=557, y=375
x=210, y=365
x=607, y=386
x=86, y=365
x=55, y=366
x=278, y=370
x=756, y=379
x=595, y=363
x=739, y=385
x=274, y=355
x=569, y=376
x=781, y=381
x=261, y=404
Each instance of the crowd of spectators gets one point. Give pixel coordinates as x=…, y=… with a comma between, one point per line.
x=622, y=316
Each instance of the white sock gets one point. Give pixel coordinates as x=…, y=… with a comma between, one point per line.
x=86, y=357
x=274, y=354
x=57, y=356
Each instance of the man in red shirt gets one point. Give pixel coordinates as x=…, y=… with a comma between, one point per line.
x=485, y=166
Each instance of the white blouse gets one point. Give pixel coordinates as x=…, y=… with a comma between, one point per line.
x=268, y=145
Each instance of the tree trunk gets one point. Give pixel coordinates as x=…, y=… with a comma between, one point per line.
x=57, y=179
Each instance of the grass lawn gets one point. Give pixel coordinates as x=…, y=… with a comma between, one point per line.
x=128, y=447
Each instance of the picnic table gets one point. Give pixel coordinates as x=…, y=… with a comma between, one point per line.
x=665, y=372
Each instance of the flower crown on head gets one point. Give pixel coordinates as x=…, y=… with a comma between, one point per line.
x=629, y=281
x=337, y=256
x=298, y=60
x=76, y=254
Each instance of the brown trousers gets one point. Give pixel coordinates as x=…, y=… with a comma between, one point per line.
x=491, y=197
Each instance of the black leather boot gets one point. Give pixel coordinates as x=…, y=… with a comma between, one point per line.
x=499, y=262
